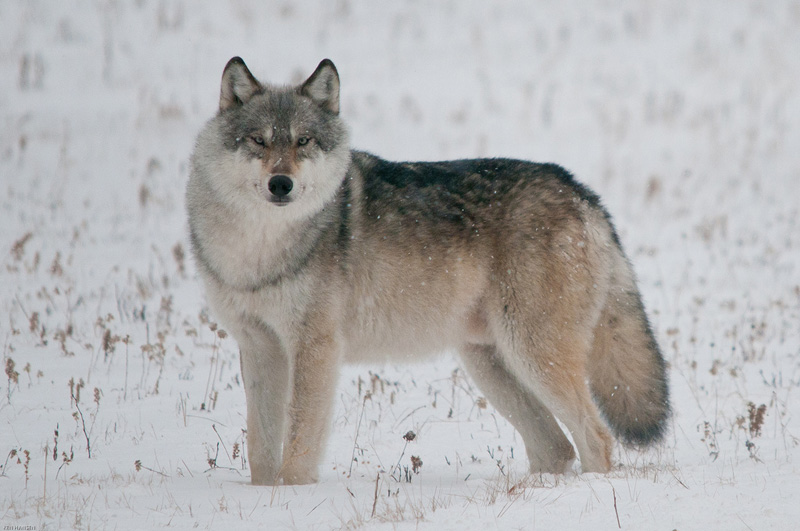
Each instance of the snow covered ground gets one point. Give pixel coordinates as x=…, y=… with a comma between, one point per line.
x=122, y=408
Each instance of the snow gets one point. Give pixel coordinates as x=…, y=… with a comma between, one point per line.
x=684, y=116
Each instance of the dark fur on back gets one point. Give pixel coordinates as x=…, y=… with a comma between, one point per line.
x=453, y=191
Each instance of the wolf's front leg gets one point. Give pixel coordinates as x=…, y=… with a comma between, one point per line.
x=265, y=372
x=316, y=372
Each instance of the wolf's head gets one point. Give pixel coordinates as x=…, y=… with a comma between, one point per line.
x=278, y=146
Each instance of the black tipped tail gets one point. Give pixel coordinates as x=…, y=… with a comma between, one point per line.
x=628, y=374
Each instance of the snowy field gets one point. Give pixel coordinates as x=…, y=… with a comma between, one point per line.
x=122, y=408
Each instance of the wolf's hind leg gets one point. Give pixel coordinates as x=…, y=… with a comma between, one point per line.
x=544, y=335
x=546, y=445
x=556, y=372
x=568, y=397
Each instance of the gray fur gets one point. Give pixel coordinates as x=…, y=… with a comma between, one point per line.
x=513, y=264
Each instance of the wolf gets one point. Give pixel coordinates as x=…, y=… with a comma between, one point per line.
x=313, y=255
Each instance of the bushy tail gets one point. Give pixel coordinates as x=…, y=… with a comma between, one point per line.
x=627, y=373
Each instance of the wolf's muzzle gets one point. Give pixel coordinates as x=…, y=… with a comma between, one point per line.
x=280, y=186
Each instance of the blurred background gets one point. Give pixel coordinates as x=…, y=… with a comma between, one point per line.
x=684, y=116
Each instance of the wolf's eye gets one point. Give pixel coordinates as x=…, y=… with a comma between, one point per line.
x=303, y=140
x=258, y=139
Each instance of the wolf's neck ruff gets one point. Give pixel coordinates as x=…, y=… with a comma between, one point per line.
x=254, y=251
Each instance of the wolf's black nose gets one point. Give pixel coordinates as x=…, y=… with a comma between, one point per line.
x=280, y=185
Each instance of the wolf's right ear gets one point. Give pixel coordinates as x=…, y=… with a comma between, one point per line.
x=238, y=84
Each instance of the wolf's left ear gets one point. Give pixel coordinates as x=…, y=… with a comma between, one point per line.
x=323, y=86
x=238, y=84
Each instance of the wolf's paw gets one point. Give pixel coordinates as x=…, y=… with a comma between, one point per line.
x=264, y=479
x=557, y=459
x=298, y=476
x=263, y=474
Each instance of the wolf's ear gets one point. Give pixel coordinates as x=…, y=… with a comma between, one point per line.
x=323, y=86
x=238, y=84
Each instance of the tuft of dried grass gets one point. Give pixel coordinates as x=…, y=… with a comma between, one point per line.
x=180, y=258
x=18, y=249
x=11, y=373
x=756, y=417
